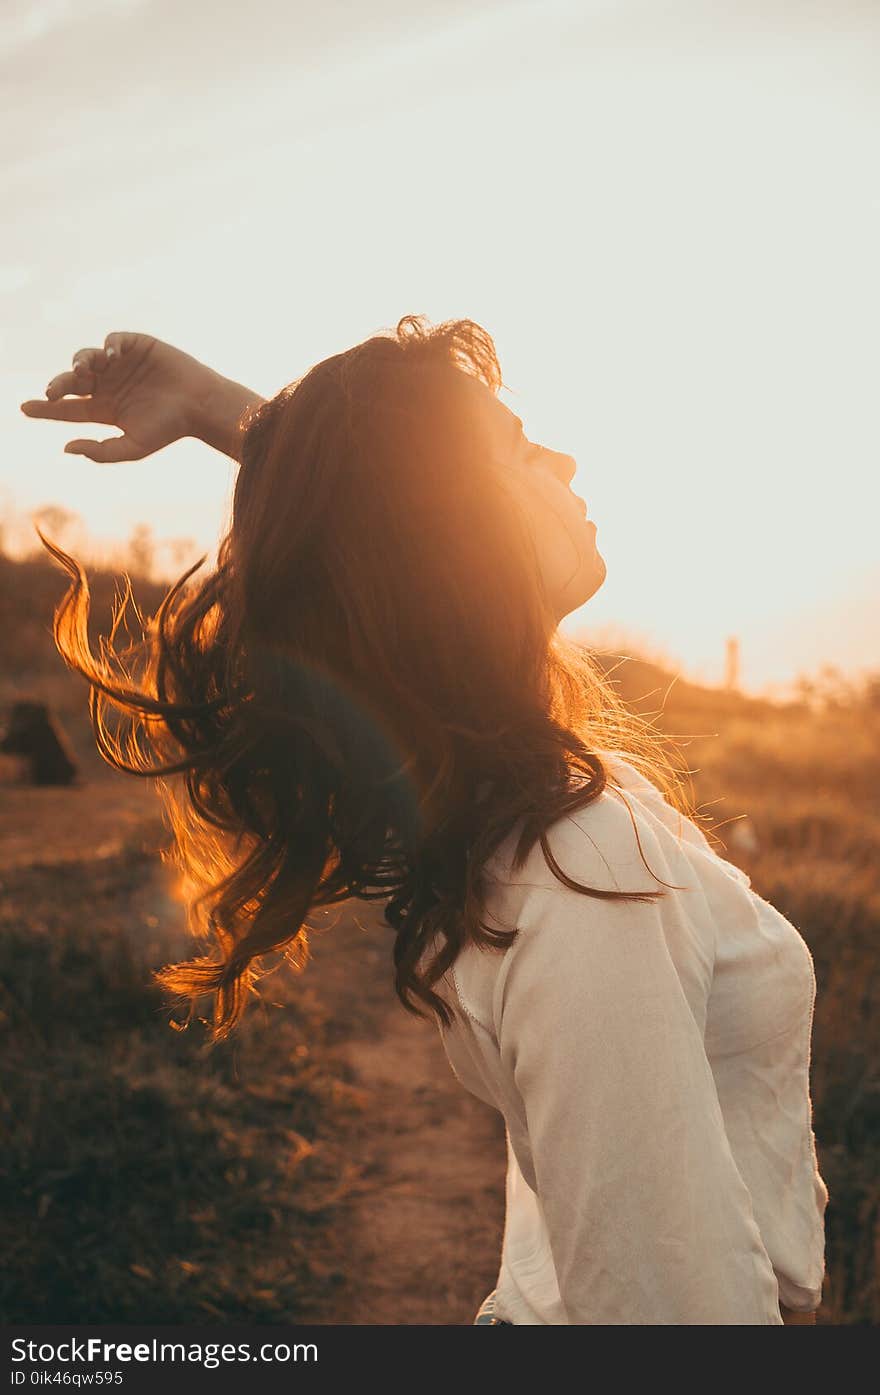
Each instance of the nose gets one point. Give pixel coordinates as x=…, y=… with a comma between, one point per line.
x=564, y=466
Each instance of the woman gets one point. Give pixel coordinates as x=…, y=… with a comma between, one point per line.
x=369, y=697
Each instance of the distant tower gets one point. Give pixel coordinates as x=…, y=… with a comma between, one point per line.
x=731, y=663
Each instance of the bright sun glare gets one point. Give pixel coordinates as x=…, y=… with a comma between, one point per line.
x=666, y=227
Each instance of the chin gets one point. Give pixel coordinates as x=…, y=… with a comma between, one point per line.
x=601, y=573
x=584, y=586
x=593, y=576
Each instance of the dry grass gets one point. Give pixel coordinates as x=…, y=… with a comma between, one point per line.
x=140, y=1181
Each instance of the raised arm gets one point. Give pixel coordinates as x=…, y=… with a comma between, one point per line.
x=154, y=393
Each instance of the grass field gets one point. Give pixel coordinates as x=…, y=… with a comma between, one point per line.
x=143, y=1181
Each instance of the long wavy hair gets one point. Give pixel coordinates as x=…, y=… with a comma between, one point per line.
x=368, y=691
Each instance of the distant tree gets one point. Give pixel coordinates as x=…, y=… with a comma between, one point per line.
x=55, y=520
x=141, y=551
x=806, y=690
x=871, y=691
x=830, y=690
x=835, y=689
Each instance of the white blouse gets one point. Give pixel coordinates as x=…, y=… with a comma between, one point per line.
x=651, y=1062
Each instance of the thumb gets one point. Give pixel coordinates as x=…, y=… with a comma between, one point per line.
x=108, y=452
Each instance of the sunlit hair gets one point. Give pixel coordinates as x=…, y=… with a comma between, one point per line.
x=369, y=690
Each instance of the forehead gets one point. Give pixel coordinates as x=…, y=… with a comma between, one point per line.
x=489, y=411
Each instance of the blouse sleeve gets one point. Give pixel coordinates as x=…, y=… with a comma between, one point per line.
x=649, y=1219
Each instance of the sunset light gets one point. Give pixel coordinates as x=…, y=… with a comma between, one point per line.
x=666, y=224
x=439, y=679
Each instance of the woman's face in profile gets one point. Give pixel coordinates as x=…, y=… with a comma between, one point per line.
x=571, y=565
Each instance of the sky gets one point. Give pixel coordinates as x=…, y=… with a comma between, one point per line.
x=667, y=214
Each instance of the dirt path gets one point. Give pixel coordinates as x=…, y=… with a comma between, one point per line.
x=423, y=1244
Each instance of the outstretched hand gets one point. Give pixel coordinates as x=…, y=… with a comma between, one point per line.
x=148, y=389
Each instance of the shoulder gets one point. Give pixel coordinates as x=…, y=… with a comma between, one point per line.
x=596, y=846
x=628, y=839
x=598, y=843
x=562, y=933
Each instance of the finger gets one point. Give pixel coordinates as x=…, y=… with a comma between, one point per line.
x=66, y=409
x=90, y=360
x=107, y=452
x=84, y=374
x=82, y=377
x=117, y=342
x=71, y=381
